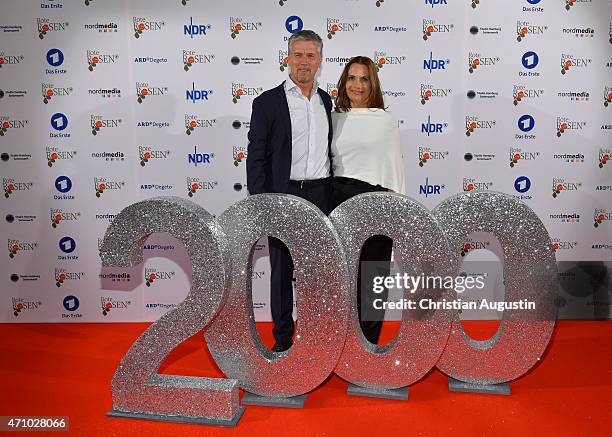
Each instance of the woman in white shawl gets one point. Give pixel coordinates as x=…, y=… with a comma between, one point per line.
x=366, y=157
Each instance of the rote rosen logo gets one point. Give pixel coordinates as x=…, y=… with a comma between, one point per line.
x=6, y=123
x=560, y=185
x=16, y=246
x=239, y=153
x=197, y=184
x=601, y=215
x=59, y=215
x=238, y=24
x=335, y=25
x=473, y=122
x=476, y=60
x=49, y=91
x=103, y=184
x=96, y=57
x=570, y=3
x=193, y=122
x=147, y=153
x=429, y=92
x=142, y=24
x=518, y=155
x=431, y=27
x=470, y=245
x=98, y=122
x=571, y=62
x=239, y=90
x=607, y=96
x=383, y=58
x=19, y=305
x=283, y=59
x=192, y=57
x=7, y=59
x=144, y=89
x=521, y=92
x=565, y=124
x=470, y=184
x=54, y=154
x=426, y=154
x=524, y=28
x=62, y=275
x=604, y=156
x=45, y=25
x=11, y=185
x=332, y=90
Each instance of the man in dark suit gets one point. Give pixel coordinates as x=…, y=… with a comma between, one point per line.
x=289, y=152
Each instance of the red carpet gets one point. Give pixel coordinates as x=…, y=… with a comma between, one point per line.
x=66, y=369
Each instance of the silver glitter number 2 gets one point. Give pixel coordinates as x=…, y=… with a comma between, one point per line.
x=138, y=390
x=326, y=263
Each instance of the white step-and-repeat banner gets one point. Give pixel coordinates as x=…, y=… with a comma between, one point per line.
x=107, y=102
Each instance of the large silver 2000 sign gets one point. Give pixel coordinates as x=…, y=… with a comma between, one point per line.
x=328, y=338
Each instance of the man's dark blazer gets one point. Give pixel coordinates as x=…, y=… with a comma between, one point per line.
x=269, y=152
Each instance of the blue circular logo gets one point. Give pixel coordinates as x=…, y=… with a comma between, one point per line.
x=294, y=24
x=59, y=121
x=522, y=184
x=55, y=57
x=63, y=184
x=71, y=303
x=67, y=244
x=530, y=60
x=526, y=123
x=533, y=2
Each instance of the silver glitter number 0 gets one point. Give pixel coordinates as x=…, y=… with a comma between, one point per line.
x=220, y=299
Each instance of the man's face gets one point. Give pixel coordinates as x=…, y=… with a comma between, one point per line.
x=304, y=61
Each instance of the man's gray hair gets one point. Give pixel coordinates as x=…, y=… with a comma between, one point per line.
x=306, y=35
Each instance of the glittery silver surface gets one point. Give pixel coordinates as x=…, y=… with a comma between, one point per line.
x=136, y=386
x=530, y=272
x=322, y=297
x=420, y=247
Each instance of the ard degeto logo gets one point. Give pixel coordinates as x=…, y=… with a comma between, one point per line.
x=294, y=24
x=55, y=57
x=67, y=244
x=526, y=123
x=522, y=184
x=63, y=184
x=530, y=60
x=59, y=121
x=71, y=303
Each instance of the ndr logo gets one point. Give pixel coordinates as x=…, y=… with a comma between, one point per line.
x=434, y=64
x=195, y=29
x=432, y=128
x=196, y=158
x=430, y=189
x=196, y=95
x=435, y=2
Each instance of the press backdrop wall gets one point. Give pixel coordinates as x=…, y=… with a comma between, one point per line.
x=104, y=103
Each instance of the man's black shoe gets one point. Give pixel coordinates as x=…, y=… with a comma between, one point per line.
x=281, y=347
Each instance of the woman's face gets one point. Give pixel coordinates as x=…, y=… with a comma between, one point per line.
x=358, y=85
